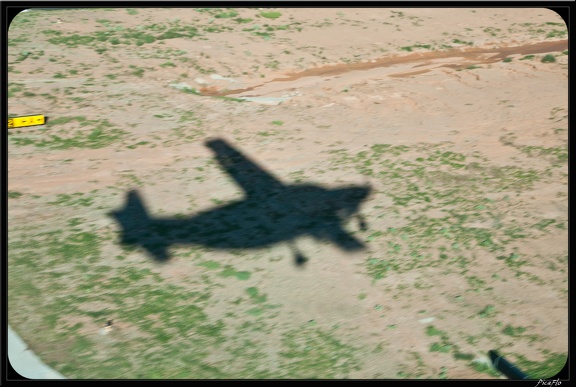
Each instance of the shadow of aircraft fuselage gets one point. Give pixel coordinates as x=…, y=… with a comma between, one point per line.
x=270, y=213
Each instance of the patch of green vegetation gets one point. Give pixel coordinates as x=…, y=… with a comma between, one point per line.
x=240, y=20
x=268, y=133
x=492, y=31
x=140, y=143
x=527, y=57
x=115, y=35
x=255, y=311
x=557, y=33
x=546, y=369
x=487, y=311
x=72, y=41
x=507, y=60
x=475, y=282
x=229, y=271
x=231, y=99
x=133, y=274
x=74, y=199
x=184, y=320
x=557, y=154
x=484, y=368
x=74, y=248
x=374, y=235
x=393, y=150
x=215, y=28
x=414, y=371
x=226, y=15
x=548, y=58
x=439, y=347
x=101, y=135
x=409, y=48
x=312, y=353
x=264, y=35
x=463, y=356
x=541, y=225
x=260, y=299
x=512, y=331
x=18, y=40
x=271, y=14
x=255, y=295
x=397, y=13
x=443, y=374
x=209, y=264
x=190, y=90
x=187, y=115
x=430, y=178
x=444, y=345
x=458, y=41
x=137, y=71
x=272, y=64
x=23, y=55
x=14, y=194
x=378, y=268
x=184, y=134
x=433, y=331
x=14, y=88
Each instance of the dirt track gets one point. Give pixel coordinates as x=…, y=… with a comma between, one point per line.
x=457, y=59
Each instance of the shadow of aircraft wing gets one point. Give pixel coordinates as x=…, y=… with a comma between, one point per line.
x=254, y=180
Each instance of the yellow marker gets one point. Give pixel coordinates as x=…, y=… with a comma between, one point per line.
x=17, y=122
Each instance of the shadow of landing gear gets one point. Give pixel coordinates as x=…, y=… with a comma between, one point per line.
x=300, y=259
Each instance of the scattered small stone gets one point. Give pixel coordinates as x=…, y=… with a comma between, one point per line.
x=107, y=328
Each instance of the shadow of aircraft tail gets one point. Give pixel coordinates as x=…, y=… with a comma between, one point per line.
x=135, y=223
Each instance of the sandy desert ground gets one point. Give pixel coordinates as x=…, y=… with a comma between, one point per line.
x=455, y=118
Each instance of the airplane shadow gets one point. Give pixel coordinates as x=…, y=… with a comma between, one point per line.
x=270, y=212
